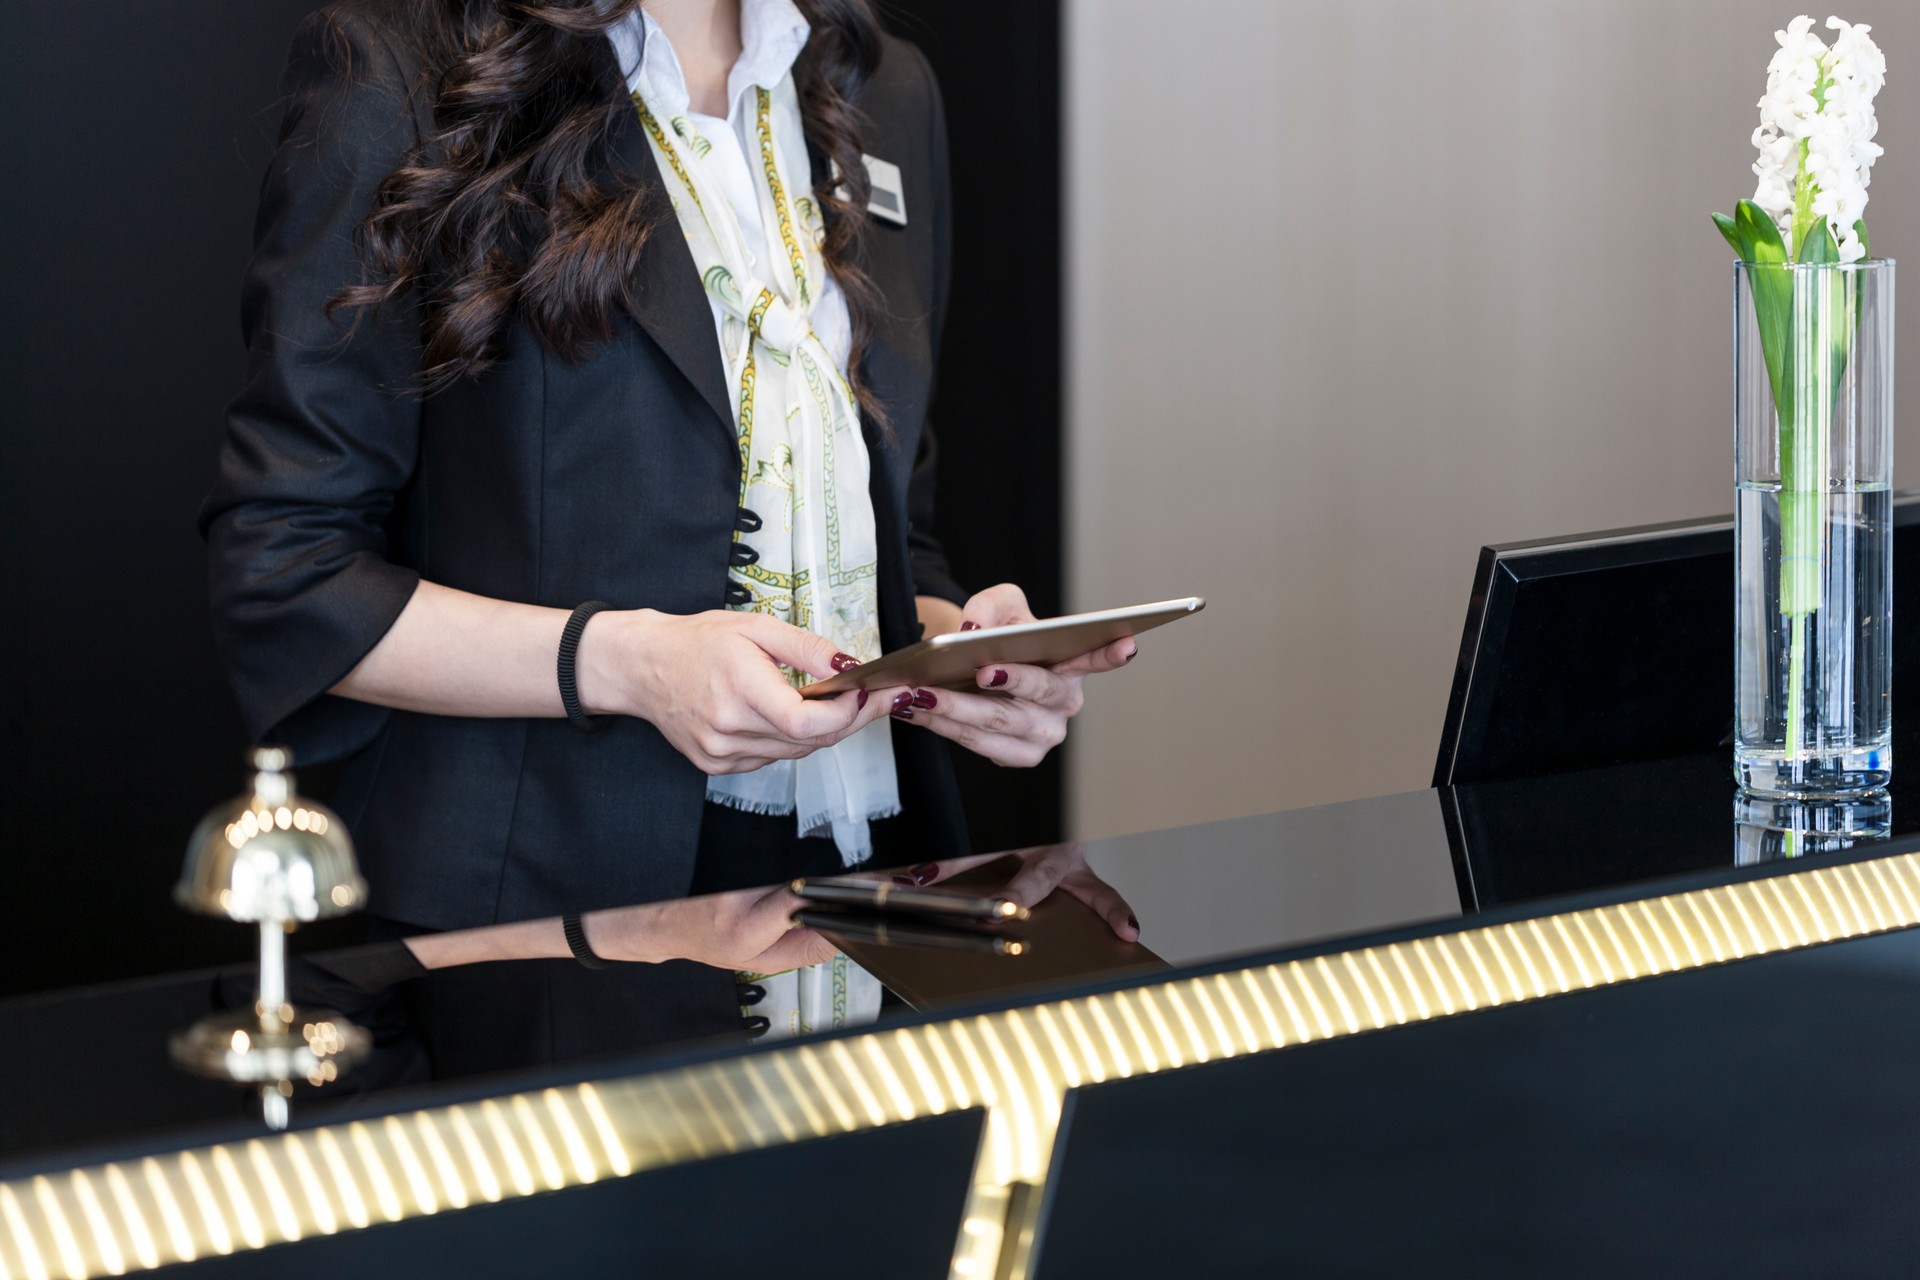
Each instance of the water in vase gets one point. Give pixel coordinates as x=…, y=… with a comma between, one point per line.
x=1820, y=664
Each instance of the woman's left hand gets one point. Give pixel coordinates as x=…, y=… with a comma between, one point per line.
x=1025, y=715
x=1039, y=872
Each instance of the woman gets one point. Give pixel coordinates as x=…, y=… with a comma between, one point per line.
x=571, y=302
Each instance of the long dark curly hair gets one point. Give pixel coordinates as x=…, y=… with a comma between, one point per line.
x=514, y=208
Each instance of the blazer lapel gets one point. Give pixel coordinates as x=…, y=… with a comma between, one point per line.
x=891, y=457
x=670, y=304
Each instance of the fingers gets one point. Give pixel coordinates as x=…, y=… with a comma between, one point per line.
x=777, y=709
x=772, y=722
x=715, y=766
x=1012, y=751
x=1000, y=606
x=1118, y=654
x=1105, y=901
x=770, y=915
x=1031, y=684
x=791, y=646
x=821, y=722
x=795, y=949
x=1039, y=877
x=934, y=872
x=977, y=722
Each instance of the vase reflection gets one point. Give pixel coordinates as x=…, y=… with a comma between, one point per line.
x=1769, y=828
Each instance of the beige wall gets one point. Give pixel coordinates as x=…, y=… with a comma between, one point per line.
x=1355, y=286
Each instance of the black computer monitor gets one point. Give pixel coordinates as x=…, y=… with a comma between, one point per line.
x=1601, y=648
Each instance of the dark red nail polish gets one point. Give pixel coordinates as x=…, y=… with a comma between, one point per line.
x=902, y=715
x=924, y=699
x=1134, y=923
x=998, y=678
x=844, y=662
x=902, y=701
x=903, y=879
x=859, y=703
x=969, y=626
x=925, y=872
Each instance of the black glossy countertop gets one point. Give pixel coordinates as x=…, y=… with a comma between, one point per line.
x=88, y=1068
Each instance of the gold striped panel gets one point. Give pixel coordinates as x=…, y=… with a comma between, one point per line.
x=113, y=1218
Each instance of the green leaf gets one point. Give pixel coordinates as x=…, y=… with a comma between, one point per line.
x=1817, y=247
x=1772, y=285
x=1760, y=233
x=1860, y=229
x=1731, y=233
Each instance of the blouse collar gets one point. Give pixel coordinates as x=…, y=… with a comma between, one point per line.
x=772, y=34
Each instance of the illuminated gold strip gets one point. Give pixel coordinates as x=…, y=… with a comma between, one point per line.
x=344, y=1181
x=373, y=1161
x=411, y=1169
x=54, y=1214
x=618, y=1162
x=544, y=1159
x=161, y=1194
x=452, y=1185
x=131, y=1214
x=1016, y=1063
x=572, y=1140
x=106, y=1241
x=21, y=1236
x=502, y=1133
x=478, y=1161
x=319, y=1205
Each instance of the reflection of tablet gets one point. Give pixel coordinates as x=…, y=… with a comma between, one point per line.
x=949, y=661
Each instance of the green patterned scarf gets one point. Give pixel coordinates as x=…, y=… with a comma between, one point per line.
x=803, y=460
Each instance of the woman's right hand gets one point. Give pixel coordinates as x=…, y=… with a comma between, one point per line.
x=747, y=929
x=711, y=683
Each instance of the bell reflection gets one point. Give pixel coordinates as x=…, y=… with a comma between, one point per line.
x=1769, y=828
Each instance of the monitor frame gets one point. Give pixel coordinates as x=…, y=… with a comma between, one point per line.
x=1503, y=567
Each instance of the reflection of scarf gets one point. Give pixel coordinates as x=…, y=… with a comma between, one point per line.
x=803, y=459
x=827, y=996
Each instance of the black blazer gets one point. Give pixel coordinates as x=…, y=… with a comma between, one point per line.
x=614, y=480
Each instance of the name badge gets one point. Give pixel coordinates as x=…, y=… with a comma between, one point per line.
x=889, y=198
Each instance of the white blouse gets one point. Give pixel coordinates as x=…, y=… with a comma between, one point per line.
x=772, y=34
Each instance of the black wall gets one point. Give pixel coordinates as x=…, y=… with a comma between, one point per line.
x=135, y=132
x=999, y=398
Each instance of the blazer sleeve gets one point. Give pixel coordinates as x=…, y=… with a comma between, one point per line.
x=324, y=432
x=932, y=575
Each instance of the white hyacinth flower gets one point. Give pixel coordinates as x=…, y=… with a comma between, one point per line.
x=1816, y=131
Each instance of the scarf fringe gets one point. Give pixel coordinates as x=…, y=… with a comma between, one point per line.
x=747, y=804
x=818, y=825
x=822, y=822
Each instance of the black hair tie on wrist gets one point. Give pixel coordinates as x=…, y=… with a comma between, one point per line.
x=569, y=646
x=577, y=942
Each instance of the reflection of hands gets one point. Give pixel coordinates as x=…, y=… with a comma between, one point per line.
x=1029, y=716
x=748, y=929
x=1043, y=870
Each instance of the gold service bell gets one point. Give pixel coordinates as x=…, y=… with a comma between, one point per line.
x=276, y=860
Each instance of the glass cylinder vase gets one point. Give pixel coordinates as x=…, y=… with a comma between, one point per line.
x=1813, y=531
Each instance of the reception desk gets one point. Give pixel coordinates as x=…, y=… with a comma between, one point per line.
x=1587, y=1023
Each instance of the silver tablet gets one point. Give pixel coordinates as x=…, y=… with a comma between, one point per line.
x=949, y=661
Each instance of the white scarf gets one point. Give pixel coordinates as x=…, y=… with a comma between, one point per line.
x=804, y=465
